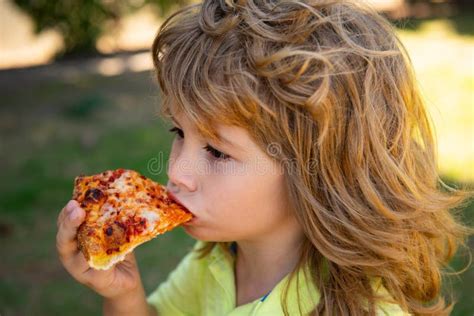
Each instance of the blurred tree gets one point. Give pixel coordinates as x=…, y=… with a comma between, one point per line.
x=81, y=21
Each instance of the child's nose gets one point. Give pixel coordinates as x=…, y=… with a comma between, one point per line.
x=182, y=174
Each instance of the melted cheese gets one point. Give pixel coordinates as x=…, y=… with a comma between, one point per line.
x=121, y=183
x=107, y=210
x=152, y=218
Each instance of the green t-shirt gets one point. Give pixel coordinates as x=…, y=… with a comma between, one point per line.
x=206, y=287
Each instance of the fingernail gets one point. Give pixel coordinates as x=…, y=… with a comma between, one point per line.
x=70, y=206
x=74, y=214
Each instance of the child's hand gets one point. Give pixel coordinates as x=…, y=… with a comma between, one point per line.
x=121, y=279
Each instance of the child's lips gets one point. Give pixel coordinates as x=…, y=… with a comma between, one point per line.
x=176, y=200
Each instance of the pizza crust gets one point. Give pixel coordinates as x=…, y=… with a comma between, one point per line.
x=101, y=262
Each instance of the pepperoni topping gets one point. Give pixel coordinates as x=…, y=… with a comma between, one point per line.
x=93, y=194
x=115, y=175
x=133, y=226
x=118, y=172
x=121, y=225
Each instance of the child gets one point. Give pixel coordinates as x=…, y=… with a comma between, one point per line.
x=305, y=151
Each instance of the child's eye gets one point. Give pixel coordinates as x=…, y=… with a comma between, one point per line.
x=216, y=153
x=177, y=131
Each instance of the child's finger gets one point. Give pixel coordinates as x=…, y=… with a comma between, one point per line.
x=66, y=210
x=77, y=266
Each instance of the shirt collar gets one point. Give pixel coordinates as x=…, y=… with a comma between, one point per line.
x=222, y=268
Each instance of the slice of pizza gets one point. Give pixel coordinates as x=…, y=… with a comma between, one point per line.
x=123, y=210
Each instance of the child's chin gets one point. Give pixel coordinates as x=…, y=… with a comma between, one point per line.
x=191, y=231
x=198, y=233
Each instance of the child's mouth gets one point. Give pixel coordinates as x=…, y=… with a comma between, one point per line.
x=175, y=199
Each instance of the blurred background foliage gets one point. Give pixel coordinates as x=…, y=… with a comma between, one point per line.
x=81, y=22
x=97, y=112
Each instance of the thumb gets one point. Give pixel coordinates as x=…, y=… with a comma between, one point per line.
x=76, y=217
x=66, y=237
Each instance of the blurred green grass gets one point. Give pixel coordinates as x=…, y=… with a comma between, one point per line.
x=62, y=128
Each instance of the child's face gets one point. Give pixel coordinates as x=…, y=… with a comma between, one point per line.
x=241, y=197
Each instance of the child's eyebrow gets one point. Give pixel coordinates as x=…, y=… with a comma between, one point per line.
x=221, y=138
x=174, y=120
